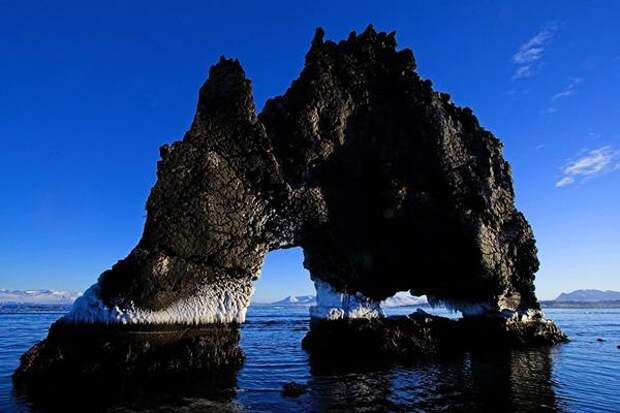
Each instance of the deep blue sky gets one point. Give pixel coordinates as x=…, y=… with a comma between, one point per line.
x=88, y=94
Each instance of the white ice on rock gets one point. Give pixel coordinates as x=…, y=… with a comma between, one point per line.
x=334, y=305
x=224, y=302
x=475, y=309
x=467, y=308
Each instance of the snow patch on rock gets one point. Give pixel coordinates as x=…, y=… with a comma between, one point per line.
x=223, y=302
x=335, y=305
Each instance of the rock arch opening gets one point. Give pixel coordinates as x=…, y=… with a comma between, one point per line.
x=283, y=278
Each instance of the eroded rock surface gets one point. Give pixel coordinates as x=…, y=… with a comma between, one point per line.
x=95, y=366
x=364, y=343
x=385, y=184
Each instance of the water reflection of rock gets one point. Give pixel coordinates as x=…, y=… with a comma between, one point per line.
x=103, y=366
x=353, y=392
x=507, y=381
x=166, y=371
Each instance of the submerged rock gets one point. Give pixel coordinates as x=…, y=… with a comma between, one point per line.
x=293, y=389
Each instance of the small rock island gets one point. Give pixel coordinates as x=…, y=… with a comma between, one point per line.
x=385, y=184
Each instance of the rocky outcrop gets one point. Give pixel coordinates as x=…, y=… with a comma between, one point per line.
x=104, y=364
x=384, y=182
x=364, y=343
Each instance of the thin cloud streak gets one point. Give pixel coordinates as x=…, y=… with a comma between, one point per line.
x=567, y=180
x=530, y=52
x=590, y=163
x=568, y=90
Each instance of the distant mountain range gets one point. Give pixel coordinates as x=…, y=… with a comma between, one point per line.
x=295, y=301
x=404, y=299
x=401, y=299
x=37, y=297
x=42, y=297
x=589, y=295
x=585, y=299
x=577, y=298
x=574, y=299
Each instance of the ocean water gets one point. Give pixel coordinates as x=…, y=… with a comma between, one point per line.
x=581, y=376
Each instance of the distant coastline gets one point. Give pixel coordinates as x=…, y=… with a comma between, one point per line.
x=574, y=299
x=580, y=304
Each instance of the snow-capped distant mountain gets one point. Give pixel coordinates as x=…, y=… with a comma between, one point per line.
x=589, y=295
x=296, y=300
x=37, y=297
x=403, y=299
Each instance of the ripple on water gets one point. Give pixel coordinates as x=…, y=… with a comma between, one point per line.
x=581, y=376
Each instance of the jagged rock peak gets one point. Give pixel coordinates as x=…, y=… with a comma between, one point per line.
x=227, y=92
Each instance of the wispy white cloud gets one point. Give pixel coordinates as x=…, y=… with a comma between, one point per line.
x=588, y=164
x=523, y=71
x=567, y=180
x=568, y=90
x=531, y=52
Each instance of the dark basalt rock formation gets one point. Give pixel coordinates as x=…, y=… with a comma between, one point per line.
x=293, y=389
x=107, y=364
x=379, y=342
x=385, y=184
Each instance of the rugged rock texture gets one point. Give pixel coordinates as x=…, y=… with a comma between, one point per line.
x=102, y=364
x=418, y=195
x=385, y=184
x=363, y=343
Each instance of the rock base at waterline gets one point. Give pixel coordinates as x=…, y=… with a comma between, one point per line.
x=402, y=339
x=109, y=362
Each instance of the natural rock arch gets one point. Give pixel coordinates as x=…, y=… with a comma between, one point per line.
x=384, y=182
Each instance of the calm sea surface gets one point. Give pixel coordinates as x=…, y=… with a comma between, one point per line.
x=581, y=376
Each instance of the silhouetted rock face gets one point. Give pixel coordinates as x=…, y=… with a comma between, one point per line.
x=94, y=366
x=418, y=196
x=207, y=212
x=385, y=184
x=364, y=343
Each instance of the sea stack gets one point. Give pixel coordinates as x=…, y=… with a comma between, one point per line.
x=384, y=182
